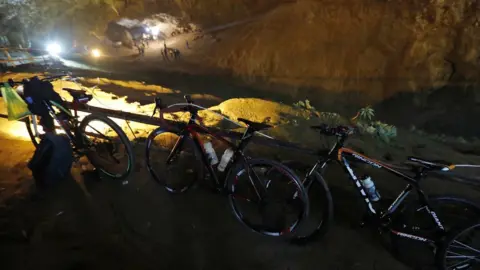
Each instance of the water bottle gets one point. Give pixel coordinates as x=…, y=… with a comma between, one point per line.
x=212, y=156
x=369, y=187
x=227, y=155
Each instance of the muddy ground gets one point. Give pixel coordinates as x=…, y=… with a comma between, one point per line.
x=88, y=223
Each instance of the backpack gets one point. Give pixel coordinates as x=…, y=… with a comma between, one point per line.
x=35, y=92
x=52, y=160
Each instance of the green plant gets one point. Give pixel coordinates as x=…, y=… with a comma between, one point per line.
x=304, y=105
x=384, y=131
x=366, y=113
x=365, y=124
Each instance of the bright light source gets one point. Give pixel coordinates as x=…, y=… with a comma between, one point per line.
x=54, y=49
x=96, y=53
x=155, y=30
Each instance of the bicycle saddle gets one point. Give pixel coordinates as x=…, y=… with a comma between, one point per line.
x=254, y=125
x=439, y=165
x=79, y=96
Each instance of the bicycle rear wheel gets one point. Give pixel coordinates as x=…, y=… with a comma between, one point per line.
x=107, y=146
x=173, y=160
x=283, y=206
x=461, y=249
x=452, y=211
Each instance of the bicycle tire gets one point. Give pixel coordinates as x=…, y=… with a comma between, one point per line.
x=28, y=123
x=123, y=138
x=316, y=185
x=198, y=167
x=231, y=183
x=441, y=256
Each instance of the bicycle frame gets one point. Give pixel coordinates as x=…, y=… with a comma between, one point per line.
x=193, y=128
x=342, y=155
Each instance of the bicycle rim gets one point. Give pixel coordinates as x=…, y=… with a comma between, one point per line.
x=281, y=210
x=183, y=168
x=107, y=146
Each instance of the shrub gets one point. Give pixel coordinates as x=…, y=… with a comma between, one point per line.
x=365, y=124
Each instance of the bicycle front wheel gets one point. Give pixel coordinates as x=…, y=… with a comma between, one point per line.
x=107, y=146
x=283, y=202
x=173, y=160
x=461, y=249
x=320, y=216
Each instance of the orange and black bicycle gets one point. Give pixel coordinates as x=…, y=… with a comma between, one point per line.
x=398, y=218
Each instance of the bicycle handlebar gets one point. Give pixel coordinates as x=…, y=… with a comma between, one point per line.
x=339, y=131
x=160, y=107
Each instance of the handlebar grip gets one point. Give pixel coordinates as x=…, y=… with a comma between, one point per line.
x=323, y=128
x=188, y=98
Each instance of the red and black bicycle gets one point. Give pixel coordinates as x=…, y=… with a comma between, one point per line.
x=264, y=195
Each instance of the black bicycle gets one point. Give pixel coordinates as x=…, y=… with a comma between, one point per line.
x=278, y=198
x=95, y=136
x=400, y=219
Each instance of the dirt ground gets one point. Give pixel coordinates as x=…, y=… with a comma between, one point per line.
x=88, y=223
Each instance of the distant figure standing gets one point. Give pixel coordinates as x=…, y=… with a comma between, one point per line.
x=165, y=51
x=186, y=43
x=141, y=49
x=176, y=53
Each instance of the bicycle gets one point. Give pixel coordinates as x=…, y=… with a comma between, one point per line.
x=390, y=219
x=102, y=154
x=187, y=146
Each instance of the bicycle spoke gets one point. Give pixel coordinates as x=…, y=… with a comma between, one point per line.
x=252, y=182
x=472, y=258
x=466, y=247
x=458, y=255
x=236, y=196
x=100, y=133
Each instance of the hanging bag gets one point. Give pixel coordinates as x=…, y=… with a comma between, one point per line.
x=16, y=106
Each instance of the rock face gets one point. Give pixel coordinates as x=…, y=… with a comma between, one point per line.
x=12, y=31
x=375, y=47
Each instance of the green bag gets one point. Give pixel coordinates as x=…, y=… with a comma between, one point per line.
x=16, y=106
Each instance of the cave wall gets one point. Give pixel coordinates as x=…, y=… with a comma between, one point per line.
x=379, y=47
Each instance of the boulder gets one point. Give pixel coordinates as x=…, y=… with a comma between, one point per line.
x=118, y=33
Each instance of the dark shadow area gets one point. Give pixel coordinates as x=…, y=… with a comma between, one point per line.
x=451, y=110
x=92, y=223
